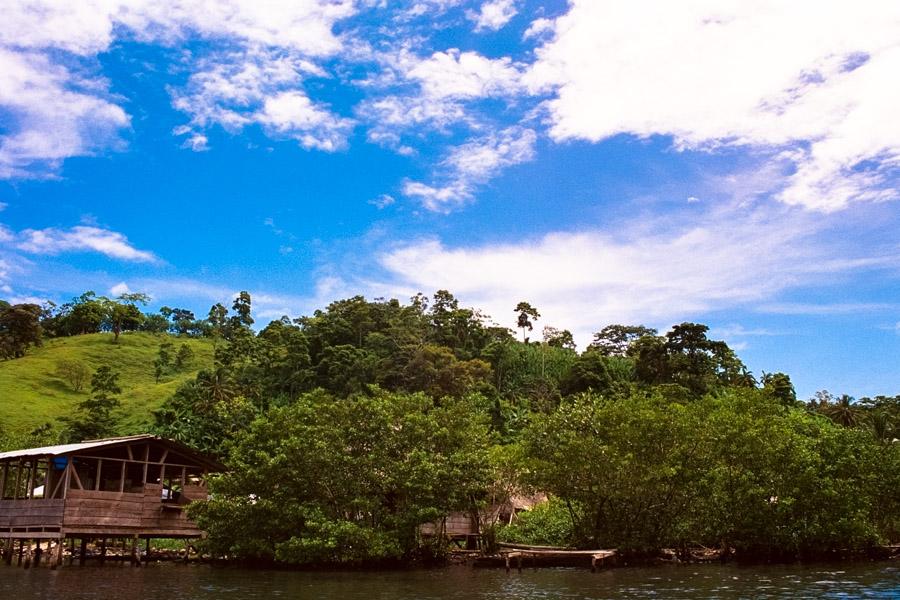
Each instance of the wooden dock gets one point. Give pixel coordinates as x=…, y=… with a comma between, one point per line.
x=522, y=555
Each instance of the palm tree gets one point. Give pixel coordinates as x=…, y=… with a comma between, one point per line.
x=843, y=412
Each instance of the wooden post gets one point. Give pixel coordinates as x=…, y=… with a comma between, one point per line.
x=21, y=552
x=38, y=553
x=146, y=461
x=3, y=480
x=15, y=493
x=103, y=552
x=507, y=562
x=99, y=467
x=187, y=550
x=147, y=552
x=122, y=479
x=82, y=555
x=28, y=555
x=520, y=562
x=135, y=561
x=57, y=560
x=10, y=550
x=29, y=490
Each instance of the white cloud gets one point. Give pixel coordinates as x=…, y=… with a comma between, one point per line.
x=818, y=78
x=51, y=114
x=465, y=75
x=471, y=165
x=119, y=289
x=292, y=114
x=81, y=238
x=237, y=89
x=538, y=28
x=56, y=113
x=3, y=206
x=434, y=92
x=493, y=14
x=382, y=201
x=654, y=271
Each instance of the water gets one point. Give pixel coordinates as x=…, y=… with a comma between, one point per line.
x=176, y=581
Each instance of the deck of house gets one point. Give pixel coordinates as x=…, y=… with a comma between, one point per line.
x=125, y=488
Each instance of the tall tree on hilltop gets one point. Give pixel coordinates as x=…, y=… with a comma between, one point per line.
x=242, y=308
x=527, y=314
x=614, y=340
x=122, y=314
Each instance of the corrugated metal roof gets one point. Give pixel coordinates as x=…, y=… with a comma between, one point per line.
x=70, y=448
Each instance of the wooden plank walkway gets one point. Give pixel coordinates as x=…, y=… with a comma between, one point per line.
x=517, y=553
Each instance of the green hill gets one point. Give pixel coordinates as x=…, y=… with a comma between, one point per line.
x=31, y=394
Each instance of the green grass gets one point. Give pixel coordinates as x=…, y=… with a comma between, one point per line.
x=31, y=394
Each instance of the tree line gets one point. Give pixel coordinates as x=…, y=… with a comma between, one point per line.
x=346, y=430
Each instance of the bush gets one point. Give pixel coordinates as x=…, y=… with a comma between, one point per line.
x=547, y=524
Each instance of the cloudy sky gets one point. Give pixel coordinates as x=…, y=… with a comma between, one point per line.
x=731, y=162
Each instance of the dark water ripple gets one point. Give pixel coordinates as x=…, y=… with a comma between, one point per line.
x=197, y=582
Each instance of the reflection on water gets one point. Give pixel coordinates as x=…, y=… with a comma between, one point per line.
x=175, y=581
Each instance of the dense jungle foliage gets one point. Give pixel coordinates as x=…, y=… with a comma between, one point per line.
x=347, y=430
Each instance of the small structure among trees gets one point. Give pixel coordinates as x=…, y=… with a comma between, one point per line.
x=126, y=488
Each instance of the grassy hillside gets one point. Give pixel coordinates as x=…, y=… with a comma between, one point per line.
x=31, y=394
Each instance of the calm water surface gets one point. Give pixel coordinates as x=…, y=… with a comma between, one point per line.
x=171, y=582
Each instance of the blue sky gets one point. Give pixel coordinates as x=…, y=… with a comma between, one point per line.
x=731, y=163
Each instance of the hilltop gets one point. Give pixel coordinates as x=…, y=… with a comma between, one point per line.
x=31, y=393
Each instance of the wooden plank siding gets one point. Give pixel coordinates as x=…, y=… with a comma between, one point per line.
x=15, y=514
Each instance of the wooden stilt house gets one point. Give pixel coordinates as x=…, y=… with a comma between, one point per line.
x=128, y=487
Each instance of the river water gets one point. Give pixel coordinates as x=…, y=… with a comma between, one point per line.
x=178, y=581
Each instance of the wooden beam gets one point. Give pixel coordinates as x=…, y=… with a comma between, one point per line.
x=122, y=479
x=3, y=480
x=29, y=490
x=70, y=469
x=15, y=494
x=130, y=453
x=97, y=480
x=146, y=460
x=74, y=472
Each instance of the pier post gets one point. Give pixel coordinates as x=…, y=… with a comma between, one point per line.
x=135, y=561
x=21, y=552
x=82, y=554
x=57, y=559
x=103, y=552
x=9, y=551
x=28, y=555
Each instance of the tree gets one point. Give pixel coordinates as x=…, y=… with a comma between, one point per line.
x=96, y=416
x=326, y=480
x=20, y=327
x=242, y=308
x=218, y=320
x=779, y=386
x=163, y=360
x=844, y=411
x=527, y=314
x=122, y=314
x=558, y=338
x=615, y=340
x=74, y=372
x=184, y=357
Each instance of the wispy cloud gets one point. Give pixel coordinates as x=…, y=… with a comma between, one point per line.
x=657, y=270
x=472, y=164
x=81, y=238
